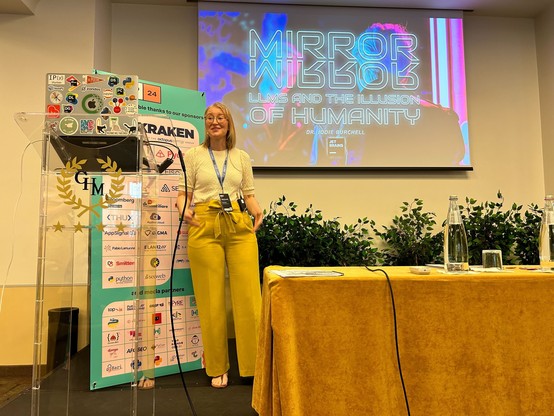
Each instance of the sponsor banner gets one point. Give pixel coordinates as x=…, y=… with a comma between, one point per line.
x=116, y=280
x=133, y=297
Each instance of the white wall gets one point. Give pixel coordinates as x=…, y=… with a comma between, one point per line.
x=102, y=34
x=545, y=46
x=162, y=45
x=30, y=47
x=159, y=44
x=503, y=104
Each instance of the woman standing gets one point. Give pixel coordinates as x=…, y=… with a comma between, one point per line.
x=219, y=202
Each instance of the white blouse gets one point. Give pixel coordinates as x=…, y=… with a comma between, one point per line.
x=202, y=178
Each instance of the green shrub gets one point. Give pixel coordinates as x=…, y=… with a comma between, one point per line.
x=489, y=226
x=290, y=239
x=526, y=247
x=412, y=238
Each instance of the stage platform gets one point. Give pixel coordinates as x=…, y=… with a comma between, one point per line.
x=170, y=397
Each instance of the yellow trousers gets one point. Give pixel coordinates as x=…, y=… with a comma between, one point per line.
x=225, y=238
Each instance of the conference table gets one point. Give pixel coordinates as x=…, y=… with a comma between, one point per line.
x=477, y=344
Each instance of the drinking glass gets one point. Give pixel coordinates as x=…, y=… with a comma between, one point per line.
x=492, y=259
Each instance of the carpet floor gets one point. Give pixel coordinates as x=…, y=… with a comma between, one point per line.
x=167, y=398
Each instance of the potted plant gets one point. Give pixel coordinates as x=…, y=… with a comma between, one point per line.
x=412, y=239
x=489, y=226
x=289, y=238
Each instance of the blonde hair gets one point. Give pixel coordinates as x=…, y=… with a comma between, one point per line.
x=231, y=139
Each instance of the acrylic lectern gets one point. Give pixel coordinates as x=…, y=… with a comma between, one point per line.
x=99, y=229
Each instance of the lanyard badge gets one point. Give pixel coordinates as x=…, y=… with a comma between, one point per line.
x=226, y=202
x=223, y=197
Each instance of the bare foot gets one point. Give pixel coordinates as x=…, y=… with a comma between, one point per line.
x=146, y=383
x=220, y=382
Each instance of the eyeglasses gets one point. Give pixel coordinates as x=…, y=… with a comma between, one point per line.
x=220, y=119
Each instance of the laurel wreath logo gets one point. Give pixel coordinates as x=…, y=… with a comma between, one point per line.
x=71, y=199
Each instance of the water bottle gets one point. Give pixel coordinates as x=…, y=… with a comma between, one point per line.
x=456, y=257
x=546, y=238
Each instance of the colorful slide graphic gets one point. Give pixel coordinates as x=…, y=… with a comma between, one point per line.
x=338, y=87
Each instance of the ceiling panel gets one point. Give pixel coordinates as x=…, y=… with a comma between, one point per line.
x=500, y=8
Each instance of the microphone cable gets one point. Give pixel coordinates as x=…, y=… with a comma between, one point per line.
x=395, y=335
x=181, y=219
x=171, y=275
x=168, y=161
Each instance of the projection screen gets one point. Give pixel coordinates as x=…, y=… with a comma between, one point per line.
x=338, y=87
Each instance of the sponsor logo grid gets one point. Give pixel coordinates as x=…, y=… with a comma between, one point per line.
x=157, y=241
x=130, y=251
x=154, y=338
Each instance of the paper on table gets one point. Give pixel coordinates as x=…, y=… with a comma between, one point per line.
x=482, y=269
x=435, y=265
x=306, y=273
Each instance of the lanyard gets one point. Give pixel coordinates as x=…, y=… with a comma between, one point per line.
x=220, y=177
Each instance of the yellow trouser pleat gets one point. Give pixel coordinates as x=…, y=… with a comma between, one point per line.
x=225, y=238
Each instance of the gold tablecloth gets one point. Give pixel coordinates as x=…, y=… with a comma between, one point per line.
x=470, y=345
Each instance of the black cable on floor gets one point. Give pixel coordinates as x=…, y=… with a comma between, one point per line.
x=174, y=256
x=181, y=219
x=395, y=336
